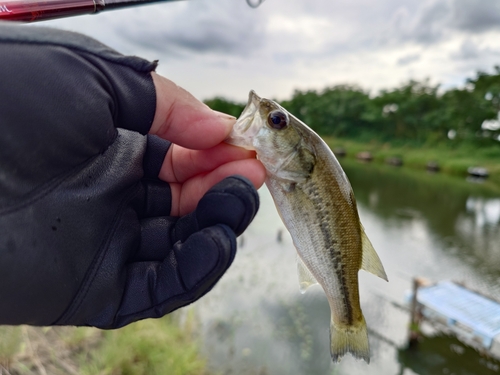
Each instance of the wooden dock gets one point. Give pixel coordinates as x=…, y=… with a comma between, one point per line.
x=470, y=316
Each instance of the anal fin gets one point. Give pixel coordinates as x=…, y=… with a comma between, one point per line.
x=306, y=278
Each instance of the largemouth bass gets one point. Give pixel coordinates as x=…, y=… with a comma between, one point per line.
x=316, y=203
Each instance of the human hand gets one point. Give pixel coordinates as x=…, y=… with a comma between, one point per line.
x=100, y=224
x=198, y=158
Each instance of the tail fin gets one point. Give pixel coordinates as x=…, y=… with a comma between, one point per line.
x=353, y=339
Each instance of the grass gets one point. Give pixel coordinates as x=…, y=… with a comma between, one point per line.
x=451, y=160
x=147, y=347
x=160, y=346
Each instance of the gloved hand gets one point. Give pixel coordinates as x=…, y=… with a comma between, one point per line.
x=87, y=236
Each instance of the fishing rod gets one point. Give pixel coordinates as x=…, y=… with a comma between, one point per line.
x=35, y=10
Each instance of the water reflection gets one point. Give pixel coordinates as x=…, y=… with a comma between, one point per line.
x=255, y=321
x=445, y=355
x=486, y=211
x=444, y=216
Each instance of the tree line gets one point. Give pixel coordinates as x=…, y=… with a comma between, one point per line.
x=415, y=111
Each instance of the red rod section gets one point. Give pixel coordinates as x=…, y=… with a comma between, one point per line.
x=29, y=10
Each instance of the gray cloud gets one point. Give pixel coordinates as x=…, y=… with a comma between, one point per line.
x=437, y=20
x=432, y=21
x=232, y=28
x=430, y=24
x=475, y=16
x=209, y=27
x=408, y=59
x=223, y=46
x=470, y=50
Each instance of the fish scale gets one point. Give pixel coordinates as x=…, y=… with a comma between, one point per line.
x=331, y=261
x=315, y=201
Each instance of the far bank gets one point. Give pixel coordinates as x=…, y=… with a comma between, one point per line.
x=450, y=160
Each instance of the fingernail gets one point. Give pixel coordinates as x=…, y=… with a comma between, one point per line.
x=224, y=116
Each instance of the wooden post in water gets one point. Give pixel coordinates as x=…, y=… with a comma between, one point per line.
x=416, y=315
x=279, y=237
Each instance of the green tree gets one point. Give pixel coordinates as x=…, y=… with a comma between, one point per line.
x=225, y=106
x=486, y=89
x=415, y=111
x=336, y=110
x=462, y=113
x=487, y=86
x=407, y=112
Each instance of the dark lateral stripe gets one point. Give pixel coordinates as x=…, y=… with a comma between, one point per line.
x=330, y=244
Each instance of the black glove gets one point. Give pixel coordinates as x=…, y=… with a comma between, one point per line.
x=85, y=234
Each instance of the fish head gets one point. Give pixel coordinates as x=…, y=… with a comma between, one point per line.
x=270, y=130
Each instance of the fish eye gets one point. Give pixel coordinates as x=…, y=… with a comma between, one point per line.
x=277, y=120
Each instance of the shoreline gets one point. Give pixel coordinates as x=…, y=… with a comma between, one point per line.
x=450, y=161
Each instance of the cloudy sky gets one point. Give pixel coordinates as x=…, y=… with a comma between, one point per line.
x=226, y=48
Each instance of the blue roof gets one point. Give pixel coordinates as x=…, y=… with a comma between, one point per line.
x=460, y=305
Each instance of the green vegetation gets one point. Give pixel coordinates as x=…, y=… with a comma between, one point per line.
x=415, y=113
x=149, y=347
x=451, y=160
x=225, y=106
x=417, y=121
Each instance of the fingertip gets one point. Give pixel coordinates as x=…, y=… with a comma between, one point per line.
x=233, y=202
x=259, y=175
x=251, y=169
x=204, y=257
x=194, y=189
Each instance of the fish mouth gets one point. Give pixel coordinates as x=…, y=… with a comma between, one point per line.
x=246, y=127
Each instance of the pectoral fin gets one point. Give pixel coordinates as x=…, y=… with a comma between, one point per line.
x=306, y=279
x=370, y=261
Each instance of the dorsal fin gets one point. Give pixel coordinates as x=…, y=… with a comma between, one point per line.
x=370, y=261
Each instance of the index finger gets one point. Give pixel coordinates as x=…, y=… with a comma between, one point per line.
x=184, y=120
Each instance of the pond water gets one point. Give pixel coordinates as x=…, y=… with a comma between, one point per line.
x=255, y=321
